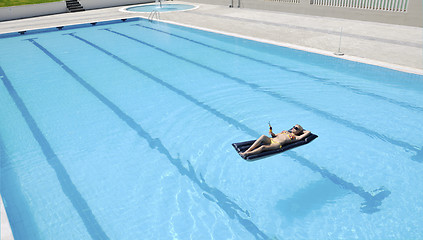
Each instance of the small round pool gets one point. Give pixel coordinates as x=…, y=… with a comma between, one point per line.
x=163, y=8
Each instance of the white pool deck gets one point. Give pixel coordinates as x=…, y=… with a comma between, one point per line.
x=393, y=46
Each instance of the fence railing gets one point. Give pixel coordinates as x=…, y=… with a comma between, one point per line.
x=286, y=1
x=381, y=5
x=384, y=5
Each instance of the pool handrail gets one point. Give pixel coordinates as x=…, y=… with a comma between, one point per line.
x=152, y=14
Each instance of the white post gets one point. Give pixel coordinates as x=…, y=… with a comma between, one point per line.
x=339, y=53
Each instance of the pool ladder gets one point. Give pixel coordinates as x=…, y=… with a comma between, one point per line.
x=153, y=14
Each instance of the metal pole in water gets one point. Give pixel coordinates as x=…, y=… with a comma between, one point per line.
x=339, y=53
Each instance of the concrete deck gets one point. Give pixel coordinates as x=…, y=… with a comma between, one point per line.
x=393, y=46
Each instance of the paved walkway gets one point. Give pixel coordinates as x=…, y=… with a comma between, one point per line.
x=394, y=46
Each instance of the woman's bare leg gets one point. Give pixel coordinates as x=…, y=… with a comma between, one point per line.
x=262, y=148
x=260, y=141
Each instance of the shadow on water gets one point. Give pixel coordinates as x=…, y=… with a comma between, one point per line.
x=311, y=198
x=419, y=156
x=372, y=199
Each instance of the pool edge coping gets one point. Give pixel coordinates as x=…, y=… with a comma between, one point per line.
x=124, y=9
x=6, y=230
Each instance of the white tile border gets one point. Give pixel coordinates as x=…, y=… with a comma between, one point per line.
x=6, y=231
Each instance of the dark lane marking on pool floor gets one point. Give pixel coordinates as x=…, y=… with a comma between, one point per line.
x=372, y=200
x=22, y=222
x=68, y=188
x=281, y=97
x=210, y=193
x=325, y=81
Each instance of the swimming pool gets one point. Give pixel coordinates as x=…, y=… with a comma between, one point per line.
x=123, y=130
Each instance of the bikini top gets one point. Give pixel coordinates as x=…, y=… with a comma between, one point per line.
x=290, y=134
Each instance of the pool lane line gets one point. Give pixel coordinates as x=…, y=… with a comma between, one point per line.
x=210, y=193
x=69, y=189
x=325, y=81
x=372, y=200
x=281, y=97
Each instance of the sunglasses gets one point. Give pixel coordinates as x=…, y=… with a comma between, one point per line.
x=295, y=128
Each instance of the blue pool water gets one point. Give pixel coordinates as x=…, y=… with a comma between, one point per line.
x=160, y=8
x=124, y=131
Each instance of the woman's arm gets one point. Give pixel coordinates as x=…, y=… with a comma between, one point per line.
x=305, y=134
